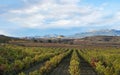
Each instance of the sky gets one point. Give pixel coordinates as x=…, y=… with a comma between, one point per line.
x=63, y=17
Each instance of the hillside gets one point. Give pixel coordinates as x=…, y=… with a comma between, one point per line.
x=99, y=40
x=97, y=33
x=5, y=39
x=103, y=39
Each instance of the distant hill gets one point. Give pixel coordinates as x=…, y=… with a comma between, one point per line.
x=97, y=33
x=104, y=40
x=109, y=39
x=92, y=36
x=4, y=39
x=105, y=32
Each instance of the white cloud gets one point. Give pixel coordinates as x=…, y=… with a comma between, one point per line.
x=2, y=32
x=69, y=1
x=59, y=14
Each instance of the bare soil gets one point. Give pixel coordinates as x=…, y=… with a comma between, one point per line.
x=85, y=67
x=62, y=68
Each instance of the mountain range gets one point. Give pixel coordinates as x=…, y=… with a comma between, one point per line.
x=97, y=33
x=105, y=32
x=100, y=36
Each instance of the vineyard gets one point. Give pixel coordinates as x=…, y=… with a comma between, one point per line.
x=19, y=60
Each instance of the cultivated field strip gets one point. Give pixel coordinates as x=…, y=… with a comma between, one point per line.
x=85, y=67
x=51, y=64
x=62, y=68
x=19, y=60
x=74, y=67
x=105, y=61
x=40, y=64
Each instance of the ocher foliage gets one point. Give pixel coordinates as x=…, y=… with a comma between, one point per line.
x=74, y=67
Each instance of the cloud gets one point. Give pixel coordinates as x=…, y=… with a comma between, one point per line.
x=59, y=14
x=2, y=32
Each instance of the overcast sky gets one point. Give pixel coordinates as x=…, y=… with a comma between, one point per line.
x=41, y=17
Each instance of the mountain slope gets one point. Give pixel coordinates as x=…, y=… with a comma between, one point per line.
x=4, y=39
x=99, y=40
x=109, y=39
x=97, y=33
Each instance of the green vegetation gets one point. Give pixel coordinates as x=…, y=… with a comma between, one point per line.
x=52, y=63
x=74, y=67
x=105, y=61
x=15, y=60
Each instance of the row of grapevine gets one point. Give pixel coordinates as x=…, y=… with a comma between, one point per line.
x=16, y=59
x=74, y=67
x=106, y=62
x=49, y=65
x=23, y=57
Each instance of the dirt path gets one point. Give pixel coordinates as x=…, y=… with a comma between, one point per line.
x=86, y=68
x=62, y=68
x=33, y=68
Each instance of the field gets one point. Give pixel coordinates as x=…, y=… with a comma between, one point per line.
x=59, y=60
